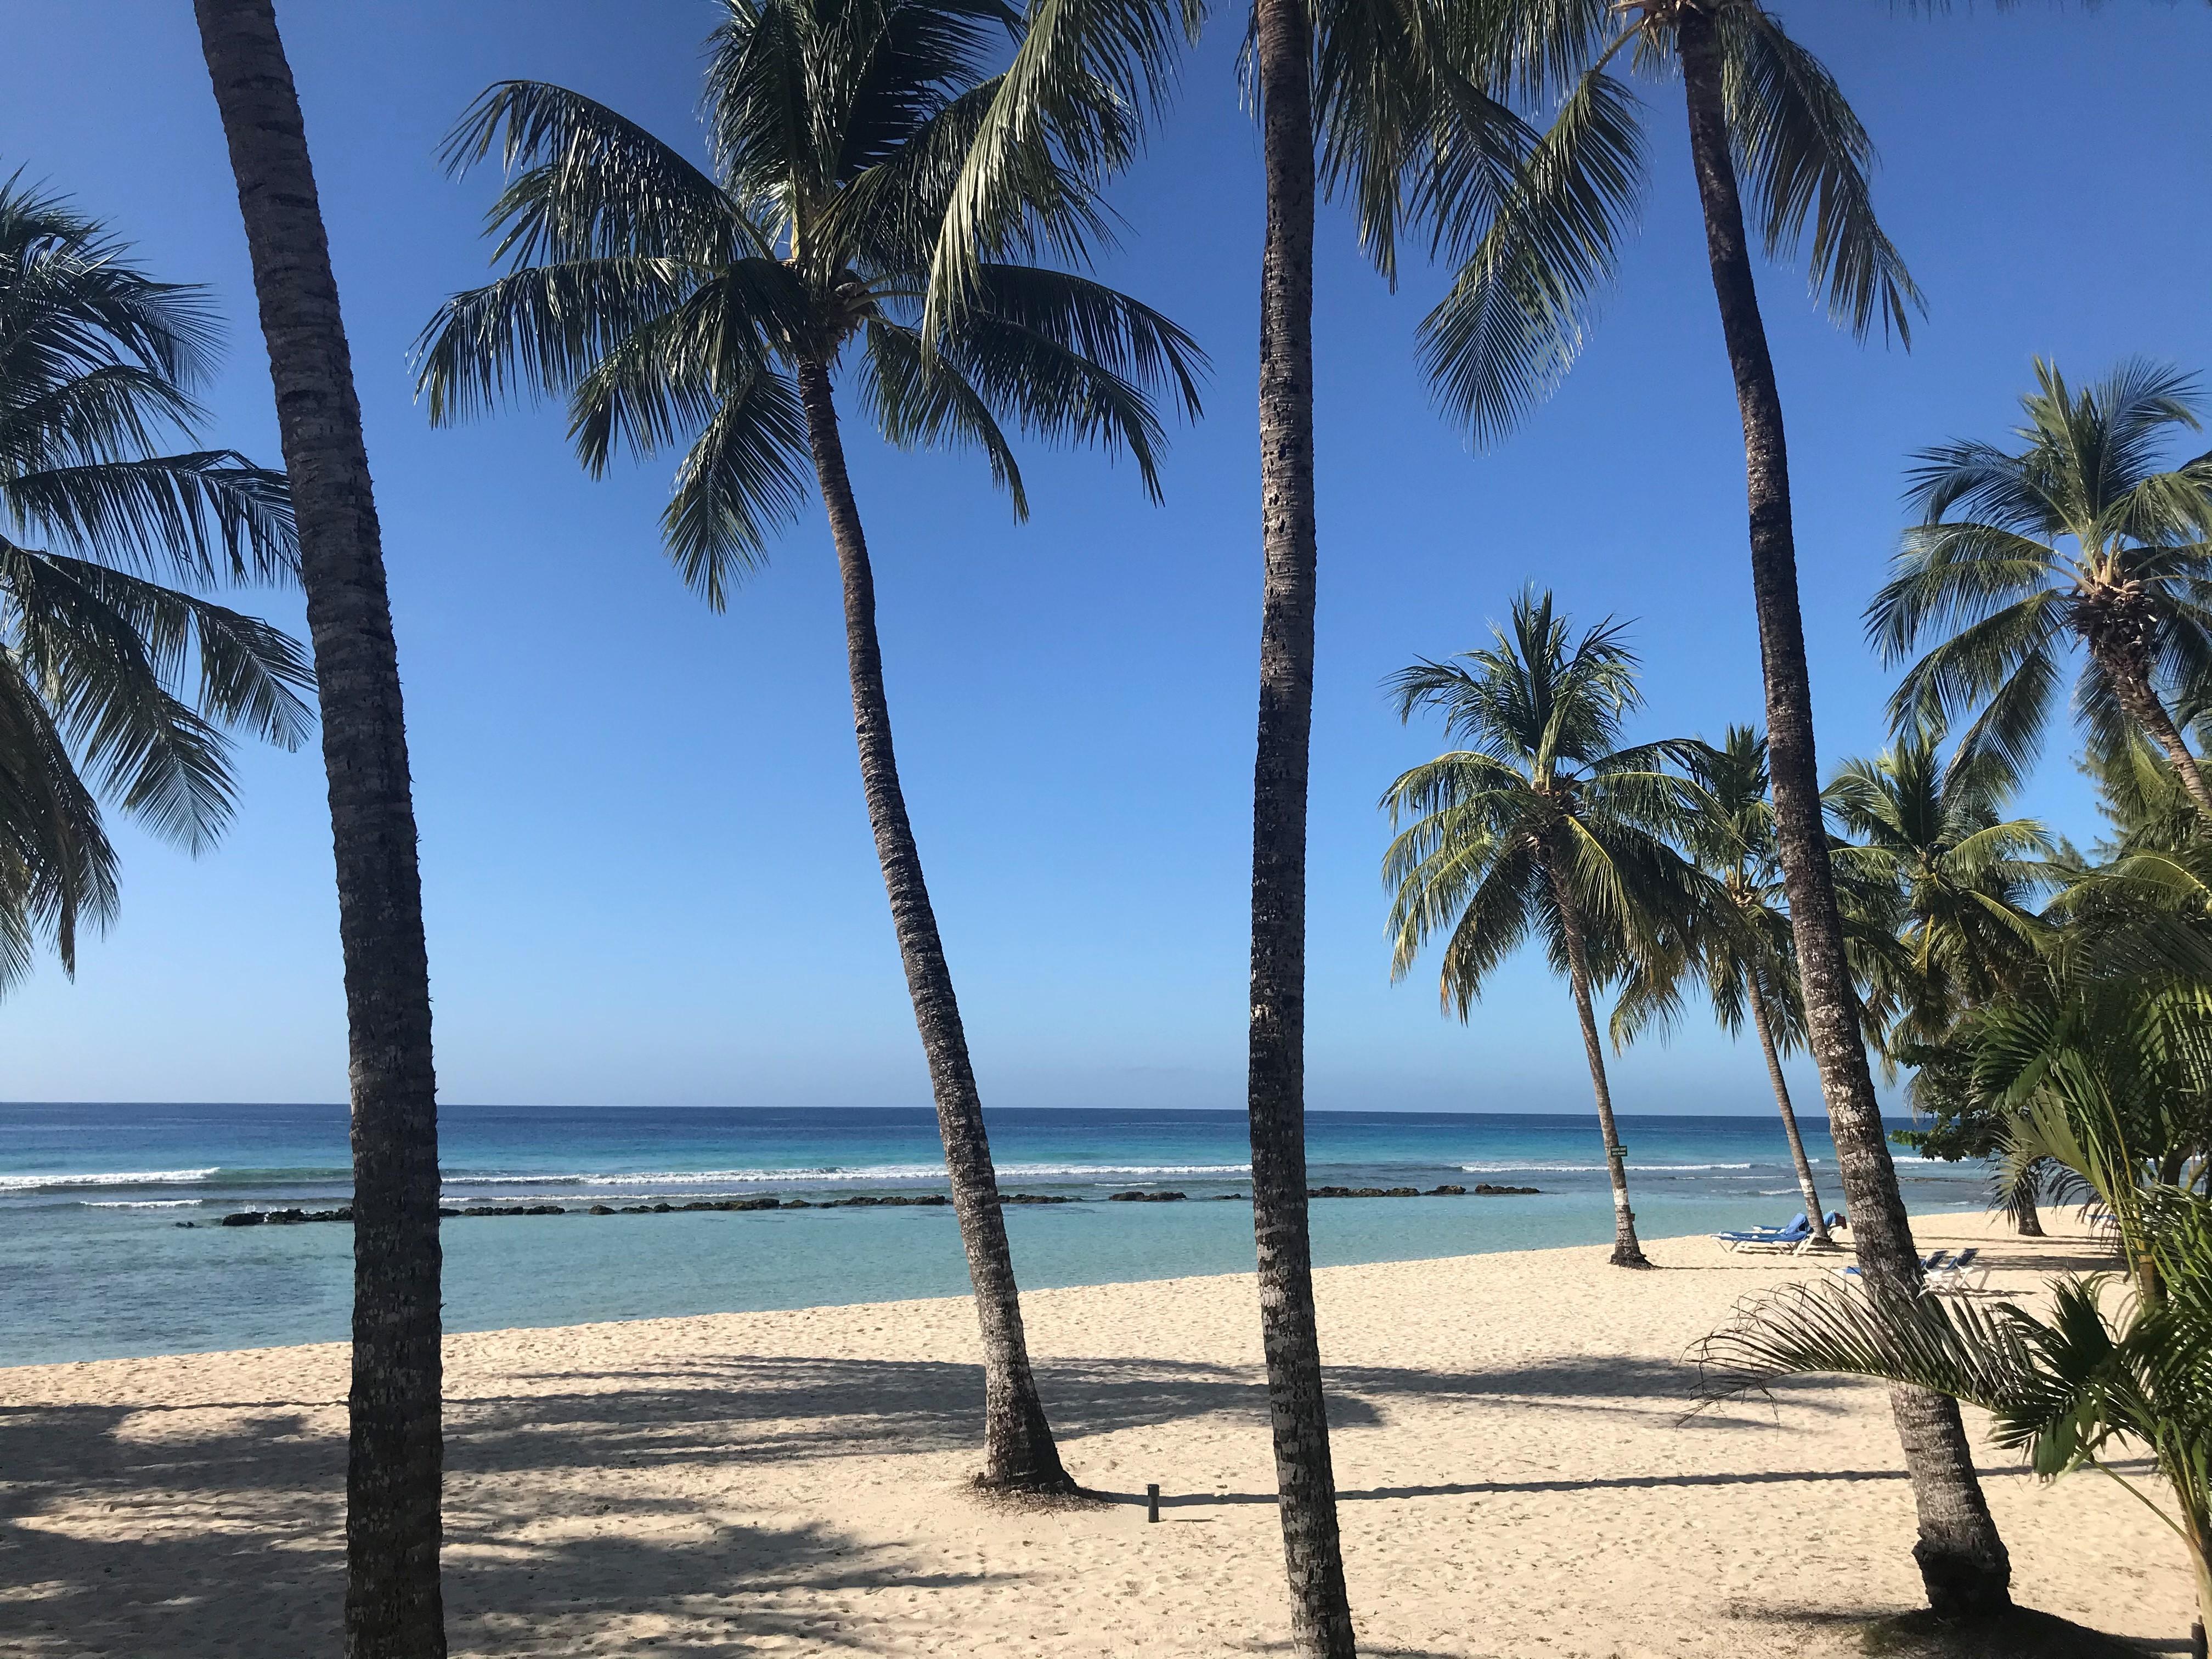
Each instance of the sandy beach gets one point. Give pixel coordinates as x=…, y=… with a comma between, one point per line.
x=1517, y=1474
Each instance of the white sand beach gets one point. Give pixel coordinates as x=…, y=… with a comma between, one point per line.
x=1516, y=1474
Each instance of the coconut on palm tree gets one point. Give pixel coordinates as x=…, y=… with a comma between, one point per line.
x=1737, y=940
x=2079, y=537
x=722, y=306
x=112, y=683
x=1545, y=823
x=1766, y=122
x=395, y=1455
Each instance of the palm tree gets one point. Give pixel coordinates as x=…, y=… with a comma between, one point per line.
x=1374, y=102
x=2078, y=538
x=1509, y=330
x=664, y=302
x=102, y=670
x=395, y=1455
x=1545, y=823
x=2069, y=1390
x=1955, y=879
x=1738, y=940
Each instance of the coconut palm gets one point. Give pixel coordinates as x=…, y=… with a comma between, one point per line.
x=1928, y=839
x=1738, y=941
x=2080, y=536
x=1545, y=823
x=1765, y=119
x=111, y=682
x=2071, y=1389
x=395, y=1455
x=668, y=302
x=1372, y=100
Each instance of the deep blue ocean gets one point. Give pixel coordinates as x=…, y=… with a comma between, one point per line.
x=93, y=1264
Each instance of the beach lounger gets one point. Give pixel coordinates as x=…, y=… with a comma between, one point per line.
x=1838, y=1218
x=1793, y=1238
x=1930, y=1265
x=1964, y=1271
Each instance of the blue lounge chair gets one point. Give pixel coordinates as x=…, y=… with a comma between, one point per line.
x=1793, y=1238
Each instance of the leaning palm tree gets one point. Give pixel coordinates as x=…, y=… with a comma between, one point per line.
x=1767, y=119
x=1738, y=940
x=111, y=683
x=2073, y=1388
x=394, y=1607
x=1956, y=875
x=2078, y=538
x=665, y=301
x=1545, y=823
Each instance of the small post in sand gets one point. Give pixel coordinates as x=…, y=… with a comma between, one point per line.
x=1152, y=1503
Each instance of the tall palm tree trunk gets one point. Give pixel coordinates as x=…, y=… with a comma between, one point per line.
x=1626, y=1251
x=1963, y=1562
x=1305, y=1482
x=1018, y=1451
x=1803, y=1164
x=395, y=1455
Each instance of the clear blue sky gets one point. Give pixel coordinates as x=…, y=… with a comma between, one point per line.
x=648, y=875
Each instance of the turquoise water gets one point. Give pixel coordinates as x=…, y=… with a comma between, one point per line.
x=93, y=1264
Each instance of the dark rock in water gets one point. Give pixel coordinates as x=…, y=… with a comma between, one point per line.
x=637, y=1209
x=757, y=1203
x=285, y=1217
x=1483, y=1189
x=599, y=1209
x=1145, y=1198
x=1229, y=1198
x=1034, y=1198
x=184, y=1223
x=1447, y=1191
x=936, y=1200
x=661, y=1209
x=795, y=1204
x=444, y=1211
x=241, y=1218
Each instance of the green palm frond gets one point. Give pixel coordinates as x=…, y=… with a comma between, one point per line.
x=210, y=516
x=744, y=475
x=1805, y=156
x=1068, y=109
x=1517, y=313
x=668, y=304
x=110, y=683
x=587, y=184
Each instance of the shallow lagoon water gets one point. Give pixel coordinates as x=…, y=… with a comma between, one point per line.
x=92, y=1264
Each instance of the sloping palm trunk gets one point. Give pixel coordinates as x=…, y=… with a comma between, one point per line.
x=1803, y=1164
x=1963, y=1562
x=2125, y=665
x=1018, y=1451
x=1626, y=1251
x=1321, y=1614
x=395, y=1455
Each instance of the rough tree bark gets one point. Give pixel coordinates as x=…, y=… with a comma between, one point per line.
x=2131, y=684
x=1321, y=1615
x=395, y=1455
x=1626, y=1251
x=1963, y=1563
x=1019, y=1450
x=1803, y=1164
